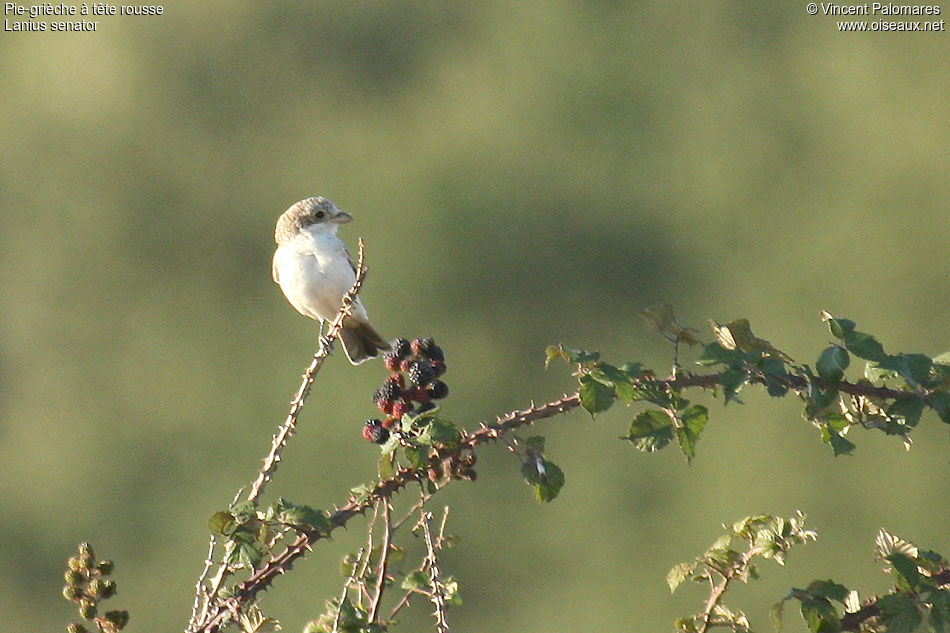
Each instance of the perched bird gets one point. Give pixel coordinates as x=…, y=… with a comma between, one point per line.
x=314, y=271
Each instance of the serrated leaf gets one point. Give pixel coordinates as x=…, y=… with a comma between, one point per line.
x=865, y=346
x=732, y=381
x=416, y=456
x=578, y=356
x=678, y=574
x=416, y=581
x=939, y=401
x=886, y=544
x=661, y=317
x=737, y=334
x=939, y=610
x=714, y=354
x=820, y=616
x=693, y=422
x=441, y=433
x=595, y=396
x=547, y=488
x=615, y=378
x=650, y=431
x=899, y=614
x=908, y=409
x=385, y=467
x=913, y=368
x=829, y=589
x=839, y=327
x=221, y=522
x=244, y=511
x=942, y=359
x=905, y=568
x=832, y=363
x=534, y=444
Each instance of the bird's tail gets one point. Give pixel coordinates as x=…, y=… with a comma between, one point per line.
x=361, y=341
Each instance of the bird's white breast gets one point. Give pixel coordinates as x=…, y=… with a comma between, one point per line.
x=314, y=273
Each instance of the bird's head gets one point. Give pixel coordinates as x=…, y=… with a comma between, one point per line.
x=311, y=214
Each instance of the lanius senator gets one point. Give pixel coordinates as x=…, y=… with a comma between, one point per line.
x=314, y=270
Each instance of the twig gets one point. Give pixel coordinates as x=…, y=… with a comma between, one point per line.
x=717, y=590
x=383, y=561
x=200, y=595
x=286, y=430
x=346, y=587
x=438, y=594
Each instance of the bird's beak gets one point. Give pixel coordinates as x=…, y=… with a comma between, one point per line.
x=342, y=217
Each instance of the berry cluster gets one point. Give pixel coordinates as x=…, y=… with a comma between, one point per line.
x=87, y=584
x=423, y=363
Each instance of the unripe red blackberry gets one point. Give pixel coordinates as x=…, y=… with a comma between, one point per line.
x=374, y=431
x=438, y=367
x=391, y=361
x=422, y=395
x=401, y=348
x=420, y=373
x=417, y=347
x=405, y=364
x=397, y=378
x=400, y=408
x=437, y=389
x=389, y=423
x=386, y=406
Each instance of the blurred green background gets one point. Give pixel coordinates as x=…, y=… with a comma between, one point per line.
x=522, y=174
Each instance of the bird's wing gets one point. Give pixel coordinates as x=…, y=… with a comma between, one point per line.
x=350, y=259
x=273, y=270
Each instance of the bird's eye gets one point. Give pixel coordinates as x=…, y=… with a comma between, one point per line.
x=319, y=215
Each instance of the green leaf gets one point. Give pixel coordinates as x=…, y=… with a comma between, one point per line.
x=416, y=456
x=650, y=431
x=832, y=363
x=610, y=376
x=244, y=511
x=908, y=409
x=243, y=548
x=678, y=574
x=905, y=568
x=865, y=346
x=831, y=433
x=820, y=616
x=416, y=581
x=899, y=614
x=661, y=316
x=914, y=368
x=595, y=396
x=714, y=354
x=546, y=478
x=840, y=327
x=221, y=522
x=738, y=334
x=385, y=467
x=939, y=610
x=441, y=433
x=732, y=381
x=582, y=357
x=829, y=589
x=694, y=421
x=939, y=401
x=535, y=444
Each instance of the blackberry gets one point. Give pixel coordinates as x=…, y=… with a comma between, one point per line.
x=416, y=346
x=397, y=378
x=401, y=348
x=438, y=367
x=425, y=407
x=437, y=389
x=391, y=360
x=420, y=373
x=374, y=431
x=390, y=389
x=400, y=407
x=435, y=352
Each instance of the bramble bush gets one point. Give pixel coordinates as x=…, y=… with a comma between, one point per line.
x=422, y=452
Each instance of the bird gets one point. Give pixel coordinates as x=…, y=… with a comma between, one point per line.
x=314, y=270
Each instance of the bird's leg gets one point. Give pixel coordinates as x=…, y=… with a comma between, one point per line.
x=322, y=339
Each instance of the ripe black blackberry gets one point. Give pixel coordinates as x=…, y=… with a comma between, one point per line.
x=420, y=373
x=401, y=348
x=391, y=389
x=435, y=352
x=438, y=367
x=437, y=389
